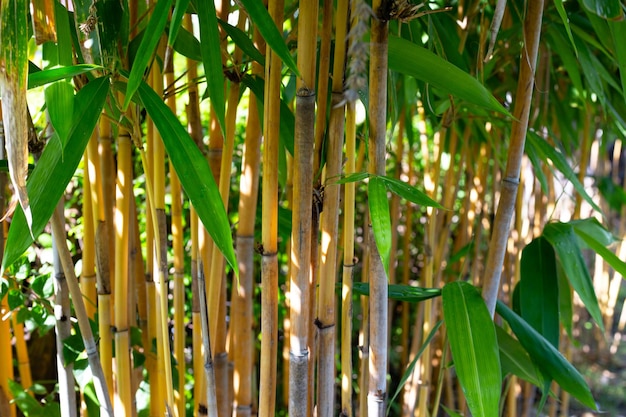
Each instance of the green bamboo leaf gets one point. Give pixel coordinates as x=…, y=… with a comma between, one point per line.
x=565, y=244
x=563, y=14
x=60, y=102
x=589, y=70
x=193, y=171
x=539, y=293
x=618, y=32
x=187, y=45
x=549, y=153
x=379, y=216
x=400, y=292
x=273, y=37
x=606, y=9
x=150, y=40
x=610, y=257
x=474, y=347
x=355, y=177
x=560, y=46
x=411, y=59
x=180, y=8
x=548, y=359
x=515, y=359
x=242, y=40
x=408, y=192
x=594, y=229
x=211, y=50
x=409, y=370
x=39, y=78
x=55, y=169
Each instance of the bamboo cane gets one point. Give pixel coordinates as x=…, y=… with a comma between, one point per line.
x=6, y=360
x=123, y=392
x=406, y=264
x=300, y=286
x=21, y=353
x=378, y=301
x=330, y=223
x=88, y=276
x=269, y=232
x=528, y=62
x=209, y=371
x=63, y=329
x=242, y=300
x=106, y=408
x=179, y=257
x=348, y=266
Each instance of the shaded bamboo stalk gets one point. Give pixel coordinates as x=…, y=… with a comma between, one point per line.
x=378, y=300
x=209, y=371
x=348, y=266
x=510, y=182
x=63, y=329
x=326, y=316
x=242, y=299
x=102, y=392
x=269, y=232
x=179, y=256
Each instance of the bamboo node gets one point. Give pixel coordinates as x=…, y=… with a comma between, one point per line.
x=511, y=180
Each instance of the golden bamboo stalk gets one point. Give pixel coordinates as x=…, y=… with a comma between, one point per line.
x=6, y=360
x=242, y=299
x=348, y=266
x=269, y=232
x=123, y=392
x=179, y=256
x=21, y=354
x=88, y=276
x=523, y=96
x=406, y=262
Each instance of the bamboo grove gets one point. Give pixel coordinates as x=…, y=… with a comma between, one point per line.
x=309, y=207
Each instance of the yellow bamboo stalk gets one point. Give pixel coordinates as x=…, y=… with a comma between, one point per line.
x=21, y=354
x=179, y=257
x=88, y=276
x=242, y=299
x=528, y=62
x=200, y=405
x=209, y=370
x=348, y=266
x=406, y=264
x=6, y=360
x=123, y=392
x=166, y=392
x=269, y=232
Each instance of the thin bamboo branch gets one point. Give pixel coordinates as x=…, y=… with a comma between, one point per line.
x=504, y=213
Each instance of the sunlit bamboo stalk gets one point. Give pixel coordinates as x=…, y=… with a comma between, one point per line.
x=242, y=300
x=102, y=391
x=21, y=353
x=88, y=275
x=300, y=287
x=123, y=392
x=364, y=332
x=502, y=222
x=209, y=370
x=6, y=360
x=269, y=232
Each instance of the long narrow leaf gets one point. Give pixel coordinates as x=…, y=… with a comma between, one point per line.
x=273, y=37
x=547, y=152
x=408, y=192
x=549, y=360
x=411, y=59
x=177, y=17
x=242, y=41
x=400, y=292
x=150, y=40
x=565, y=244
x=515, y=359
x=539, y=294
x=379, y=216
x=612, y=259
x=39, y=78
x=474, y=347
x=55, y=169
x=193, y=171
x=211, y=50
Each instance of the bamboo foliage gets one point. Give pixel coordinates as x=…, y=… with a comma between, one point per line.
x=290, y=88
